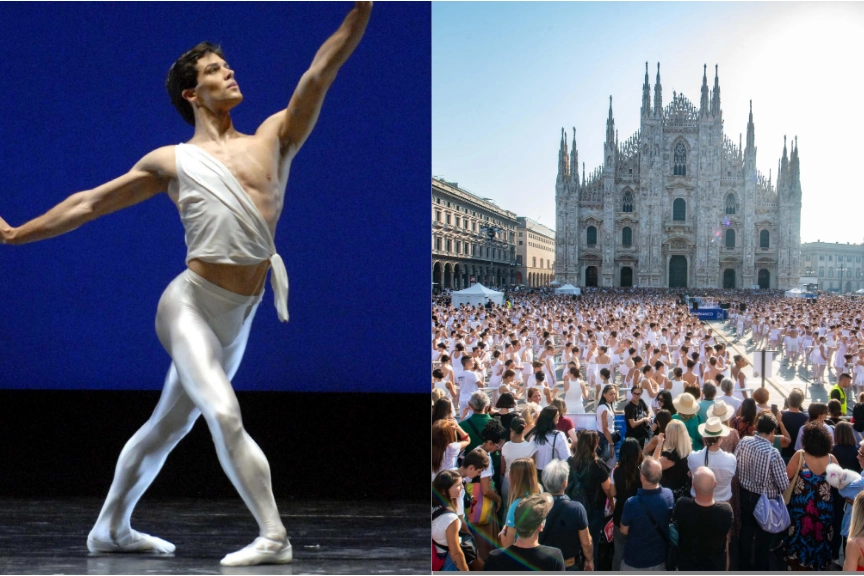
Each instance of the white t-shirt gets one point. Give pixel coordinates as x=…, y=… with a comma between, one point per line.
x=733, y=401
x=555, y=446
x=449, y=460
x=467, y=381
x=512, y=451
x=610, y=419
x=722, y=464
x=439, y=527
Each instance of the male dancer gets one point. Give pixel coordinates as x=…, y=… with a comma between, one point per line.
x=229, y=188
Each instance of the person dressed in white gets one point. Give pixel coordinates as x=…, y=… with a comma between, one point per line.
x=575, y=392
x=229, y=188
x=516, y=447
x=468, y=382
x=721, y=463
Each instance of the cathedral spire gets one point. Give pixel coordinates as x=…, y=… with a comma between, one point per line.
x=783, y=178
x=610, y=128
x=751, y=129
x=658, y=95
x=583, y=175
x=574, y=161
x=715, y=96
x=562, y=158
x=646, y=95
x=703, y=104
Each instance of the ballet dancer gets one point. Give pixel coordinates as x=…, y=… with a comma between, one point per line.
x=229, y=188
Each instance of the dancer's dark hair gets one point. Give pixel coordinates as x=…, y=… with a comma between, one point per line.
x=183, y=75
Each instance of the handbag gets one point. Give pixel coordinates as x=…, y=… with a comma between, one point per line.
x=771, y=513
x=480, y=512
x=671, y=546
x=787, y=495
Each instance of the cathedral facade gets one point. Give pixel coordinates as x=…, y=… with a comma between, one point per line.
x=678, y=204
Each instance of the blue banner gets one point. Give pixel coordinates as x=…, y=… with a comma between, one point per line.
x=710, y=314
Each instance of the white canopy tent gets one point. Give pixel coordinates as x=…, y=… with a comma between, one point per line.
x=568, y=289
x=861, y=291
x=476, y=294
x=795, y=293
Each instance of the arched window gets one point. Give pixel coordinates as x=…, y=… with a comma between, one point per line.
x=592, y=236
x=730, y=238
x=730, y=203
x=627, y=204
x=627, y=236
x=679, y=209
x=680, y=160
x=821, y=272
x=764, y=239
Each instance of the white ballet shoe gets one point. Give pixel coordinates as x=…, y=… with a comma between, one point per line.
x=260, y=551
x=132, y=543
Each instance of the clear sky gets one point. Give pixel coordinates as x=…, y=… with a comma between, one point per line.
x=506, y=77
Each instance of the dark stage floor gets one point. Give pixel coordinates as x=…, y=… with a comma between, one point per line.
x=49, y=537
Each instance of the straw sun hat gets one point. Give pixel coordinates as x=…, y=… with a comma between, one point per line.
x=721, y=410
x=713, y=428
x=686, y=404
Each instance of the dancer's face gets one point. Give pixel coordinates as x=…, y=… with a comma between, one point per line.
x=217, y=89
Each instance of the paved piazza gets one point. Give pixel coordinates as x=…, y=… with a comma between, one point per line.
x=784, y=377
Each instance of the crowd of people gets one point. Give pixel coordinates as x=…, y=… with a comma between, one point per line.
x=616, y=431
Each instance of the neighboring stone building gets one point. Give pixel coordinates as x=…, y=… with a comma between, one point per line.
x=535, y=253
x=836, y=266
x=678, y=204
x=471, y=238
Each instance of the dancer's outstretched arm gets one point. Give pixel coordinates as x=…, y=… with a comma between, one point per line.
x=147, y=178
x=294, y=124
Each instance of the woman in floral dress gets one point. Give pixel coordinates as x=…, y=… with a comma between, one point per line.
x=811, y=509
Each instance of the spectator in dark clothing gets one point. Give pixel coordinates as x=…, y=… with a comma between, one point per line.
x=704, y=527
x=592, y=474
x=526, y=554
x=506, y=403
x=567, y=524
x=793, y=420
x=646, y=548
x=858, y=422
x=845, y=450
x=625, y=483
x=835, y=412
x=636, y=415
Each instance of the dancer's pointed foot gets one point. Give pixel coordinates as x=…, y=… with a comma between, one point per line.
x=130, y=543
x=261, y=551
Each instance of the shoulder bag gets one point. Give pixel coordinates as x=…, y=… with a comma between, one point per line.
x=671, y=541
x=787, y=495
x=771, y=513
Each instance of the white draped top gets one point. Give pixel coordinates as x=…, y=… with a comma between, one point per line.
x=223, y=225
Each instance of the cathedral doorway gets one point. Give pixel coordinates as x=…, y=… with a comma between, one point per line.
x=626, y=277
x=591, y=276
x=764, y=279
x=729, y=278
x=678, y=272
x=518, y=278
x=848, y=286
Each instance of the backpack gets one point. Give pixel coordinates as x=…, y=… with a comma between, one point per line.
x=576, y=488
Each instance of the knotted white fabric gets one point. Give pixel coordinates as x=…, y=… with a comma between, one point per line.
x=223, y=225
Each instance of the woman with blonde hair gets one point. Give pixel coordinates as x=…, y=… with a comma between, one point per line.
x=523, y=482
x=672, y=450
x=529, y=414
x=855, y=542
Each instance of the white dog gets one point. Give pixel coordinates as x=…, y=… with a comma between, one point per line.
x=840, y=478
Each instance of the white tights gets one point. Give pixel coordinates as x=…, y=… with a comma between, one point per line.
x=204, y=328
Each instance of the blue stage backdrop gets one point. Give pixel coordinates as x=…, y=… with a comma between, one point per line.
x=84, y=99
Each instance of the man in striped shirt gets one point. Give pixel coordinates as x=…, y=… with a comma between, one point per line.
x=760, y=471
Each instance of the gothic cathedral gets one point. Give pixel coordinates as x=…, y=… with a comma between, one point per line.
x=678, y=204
